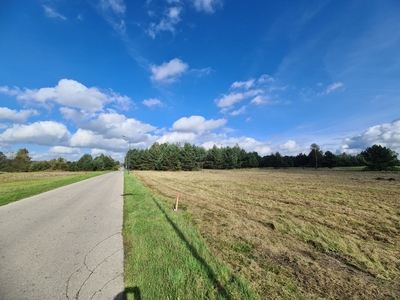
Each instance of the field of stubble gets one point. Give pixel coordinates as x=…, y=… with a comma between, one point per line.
x=299, y=234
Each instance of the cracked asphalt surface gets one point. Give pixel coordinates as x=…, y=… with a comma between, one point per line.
x=65, y=243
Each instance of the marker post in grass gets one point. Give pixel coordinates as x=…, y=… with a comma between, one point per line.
x=176, y=202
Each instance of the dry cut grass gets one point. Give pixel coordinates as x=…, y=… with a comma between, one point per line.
x=302, y=234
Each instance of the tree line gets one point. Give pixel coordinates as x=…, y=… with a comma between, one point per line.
x=175, y=157
x=22, y=162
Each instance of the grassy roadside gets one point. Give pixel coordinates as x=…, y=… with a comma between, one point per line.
x=165, y=258
x=16, y=186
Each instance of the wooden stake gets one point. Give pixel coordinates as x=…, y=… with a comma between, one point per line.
x=176, y=202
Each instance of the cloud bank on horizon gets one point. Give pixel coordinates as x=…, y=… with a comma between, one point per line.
x=77, y=76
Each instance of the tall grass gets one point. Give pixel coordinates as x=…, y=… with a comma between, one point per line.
x=165, y=258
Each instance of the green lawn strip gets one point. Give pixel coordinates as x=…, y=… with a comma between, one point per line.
x=26, y=187
x=165, y=257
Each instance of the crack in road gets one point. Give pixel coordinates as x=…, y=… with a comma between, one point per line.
x=92, y=270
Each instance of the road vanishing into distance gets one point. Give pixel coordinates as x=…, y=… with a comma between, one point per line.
x=65, y=243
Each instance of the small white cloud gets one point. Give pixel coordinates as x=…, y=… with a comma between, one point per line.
x=232, y=98
x=117, y=6
x=152, y=102
x=52, y=13
x=289, y=146
x=17, y=116
x=207, y=6
x=258, y=100
x=243, y=84
x=167, y=23
x=333, y=87
x=197, y=124
x=265, y=79
x=240, y=111
x=278, y=88
x=168, y=72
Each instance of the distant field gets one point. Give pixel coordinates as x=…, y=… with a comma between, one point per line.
x=16, y=186
x=296, y=234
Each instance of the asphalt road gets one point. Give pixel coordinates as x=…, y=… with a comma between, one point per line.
x=65, y=243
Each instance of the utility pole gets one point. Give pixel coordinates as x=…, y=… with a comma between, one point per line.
x=129, y=142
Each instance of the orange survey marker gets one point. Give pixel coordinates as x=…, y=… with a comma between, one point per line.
x=176, y=202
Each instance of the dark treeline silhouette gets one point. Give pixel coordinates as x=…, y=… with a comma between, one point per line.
x=22, y=162
x=175, y=157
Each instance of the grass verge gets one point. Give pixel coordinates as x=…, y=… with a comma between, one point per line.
x=165, y=257
x=16, y=186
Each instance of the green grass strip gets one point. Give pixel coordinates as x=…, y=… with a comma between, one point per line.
x=165, y=257
x=13, y=189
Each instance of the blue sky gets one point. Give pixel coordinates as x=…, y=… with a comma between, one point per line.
x=270, y=76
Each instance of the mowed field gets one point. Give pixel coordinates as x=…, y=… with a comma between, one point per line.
x=296, y=234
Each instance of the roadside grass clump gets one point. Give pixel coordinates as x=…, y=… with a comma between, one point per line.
x=294, y=233
x=16, y=186
x=165, y=258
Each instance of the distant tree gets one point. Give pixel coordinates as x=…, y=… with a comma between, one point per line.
x=21, y=161
x=214, y=159
x=277, y=160
x=85, y=163
x=380, y=158
x=169, y=159
x=230, y=159
x=330, y=160
x=288, y=161
x=200, y=155
x=3, y=160
x=252, y=160
x=315, y=155
x=301, y=160
x=187, y=157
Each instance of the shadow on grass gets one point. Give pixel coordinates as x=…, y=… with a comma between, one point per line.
x=210, y=273
x=134, y=291
x=127, y=194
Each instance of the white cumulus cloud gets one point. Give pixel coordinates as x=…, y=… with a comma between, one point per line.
x=169, y=72
x=113, y=125
x=387, y=135
x=152, y=102
x=42, y=133
x=17, y=116
x=70, y=93
x=197, y=124
x=177, y=137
